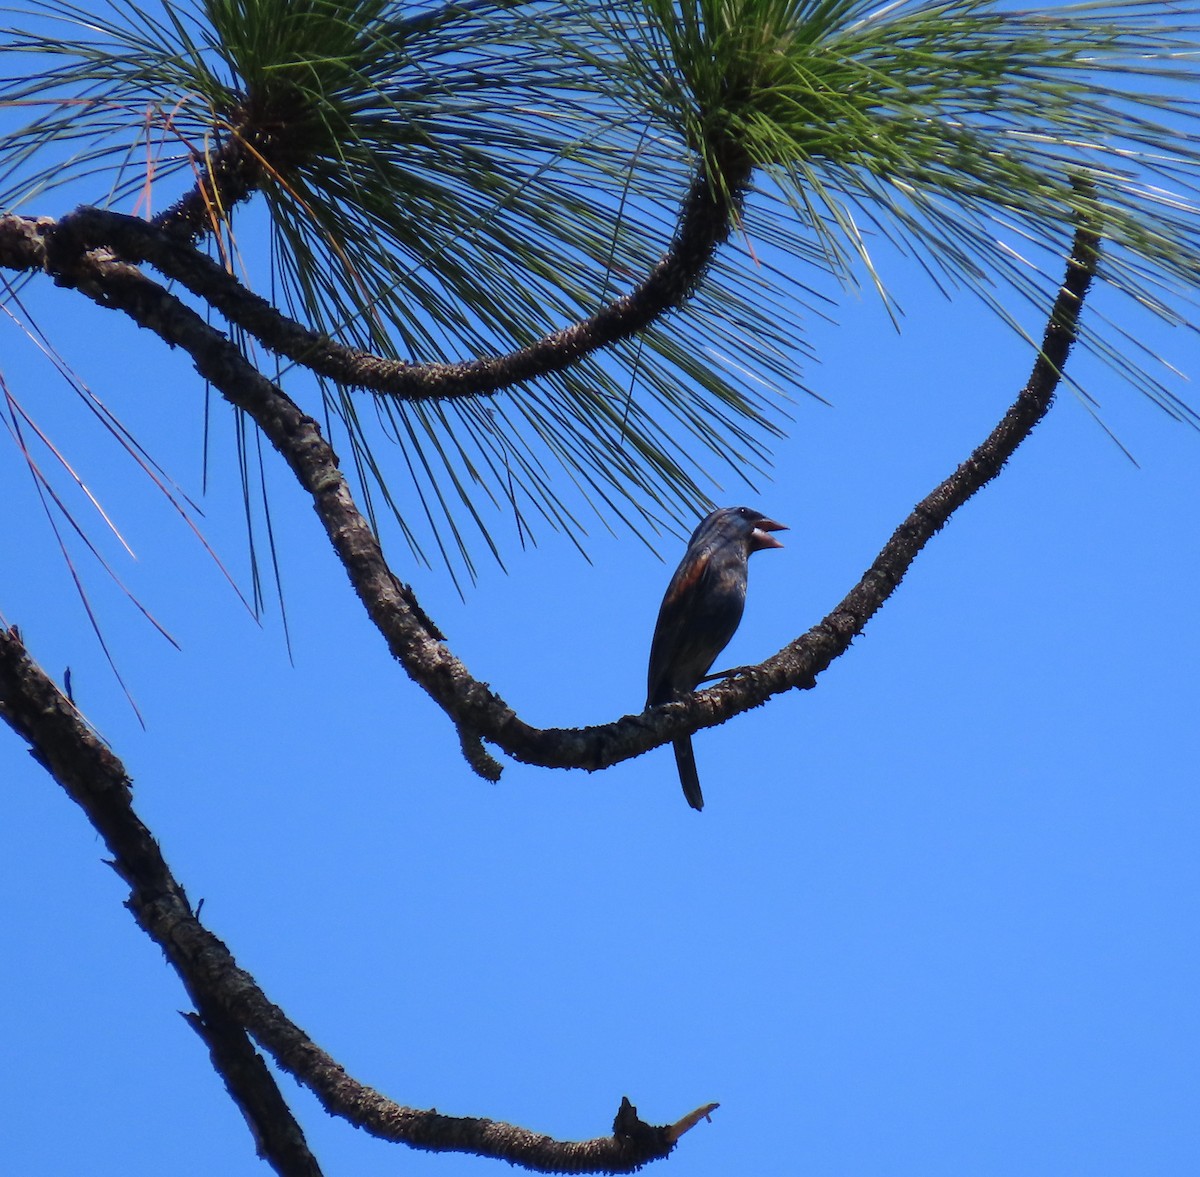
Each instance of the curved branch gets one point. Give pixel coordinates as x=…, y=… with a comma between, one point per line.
x=704, y=224
x=97, y=781
x=392, y=606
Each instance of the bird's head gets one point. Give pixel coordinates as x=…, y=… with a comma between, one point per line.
x=745, y=524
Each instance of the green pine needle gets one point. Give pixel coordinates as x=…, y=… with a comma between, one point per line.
x=957, y=130
x=442, y=182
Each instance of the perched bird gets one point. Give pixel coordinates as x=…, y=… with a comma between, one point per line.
x=701, y=612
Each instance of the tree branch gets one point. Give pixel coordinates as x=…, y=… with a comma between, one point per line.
x=704, y=224
x=96, y=780
x=75, y=756
x=392, y=606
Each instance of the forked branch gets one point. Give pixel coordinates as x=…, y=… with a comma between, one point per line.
x=96, y=780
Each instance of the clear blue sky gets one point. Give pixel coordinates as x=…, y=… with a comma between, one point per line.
x=939, y=916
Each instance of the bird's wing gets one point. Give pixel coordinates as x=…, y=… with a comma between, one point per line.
x=676, y=625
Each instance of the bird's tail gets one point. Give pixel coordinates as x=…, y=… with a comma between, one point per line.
x=688, y=776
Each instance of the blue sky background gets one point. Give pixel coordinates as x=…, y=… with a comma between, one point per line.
x=938, y=917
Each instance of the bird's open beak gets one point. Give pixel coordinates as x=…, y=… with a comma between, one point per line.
x=761, y=536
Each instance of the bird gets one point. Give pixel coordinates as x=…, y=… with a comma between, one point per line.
x=700, y=613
